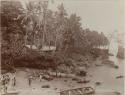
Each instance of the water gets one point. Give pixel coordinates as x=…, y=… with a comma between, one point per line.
x=107, y=76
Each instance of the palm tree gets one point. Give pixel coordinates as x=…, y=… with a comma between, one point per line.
x=28, y=20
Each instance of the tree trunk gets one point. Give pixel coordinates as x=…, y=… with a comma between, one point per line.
x=25, y=41
x=11, y=59
x=56, y=74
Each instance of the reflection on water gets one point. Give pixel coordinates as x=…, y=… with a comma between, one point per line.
x=113, y=47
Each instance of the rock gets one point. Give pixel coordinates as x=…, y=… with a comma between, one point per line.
x=116, y=67
x=120, y=76
x=83, y=81
x=55, y=88
x=45, y=86
x=117, y=93
x=47, y=77
x=65, y=80
x=98, y=83
x=75, y=79
x=81, y=73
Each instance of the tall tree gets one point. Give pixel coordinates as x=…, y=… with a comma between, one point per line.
x=12, y=37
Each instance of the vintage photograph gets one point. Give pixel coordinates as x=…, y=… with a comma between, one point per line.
x=62, y=47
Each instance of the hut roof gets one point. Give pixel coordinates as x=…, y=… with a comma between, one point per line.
x=48, y=48
x=44, y=48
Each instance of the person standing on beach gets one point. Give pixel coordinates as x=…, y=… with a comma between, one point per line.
x=13, y=80
x=4, y=83
x=30, y=80
x=40, y=77
x=5, y=88
x=8, y=79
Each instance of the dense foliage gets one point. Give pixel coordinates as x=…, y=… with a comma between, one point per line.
x=37, y=25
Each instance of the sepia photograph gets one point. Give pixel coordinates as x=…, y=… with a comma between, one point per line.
x=62, y=47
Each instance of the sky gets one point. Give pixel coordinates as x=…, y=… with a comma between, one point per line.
x=102, y=15
x=105, y=16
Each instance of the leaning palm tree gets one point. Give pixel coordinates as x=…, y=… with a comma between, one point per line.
x=35, y=22
x=29, y=20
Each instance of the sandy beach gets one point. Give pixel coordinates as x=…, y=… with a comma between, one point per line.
x=104, y=74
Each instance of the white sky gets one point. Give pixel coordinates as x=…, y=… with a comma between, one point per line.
x=101, y=15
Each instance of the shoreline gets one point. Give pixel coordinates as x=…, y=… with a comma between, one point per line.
x=101, y=74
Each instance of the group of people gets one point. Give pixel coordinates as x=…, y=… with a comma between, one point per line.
x=10, y=79
x=5, y=80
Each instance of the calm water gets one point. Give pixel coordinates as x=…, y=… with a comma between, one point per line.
x=107, y=75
